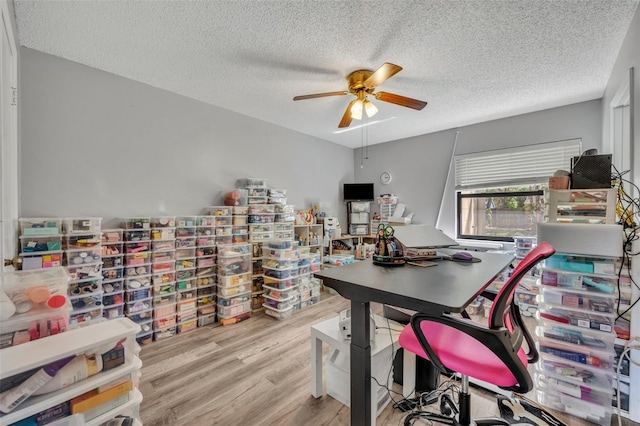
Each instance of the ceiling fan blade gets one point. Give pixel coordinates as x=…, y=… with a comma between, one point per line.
x=386, y=71
x=400, y=100
x=319, y=95
x=346, y=118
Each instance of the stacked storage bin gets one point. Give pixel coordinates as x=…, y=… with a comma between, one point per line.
x=186, y=241
x=257, y=192
x=387, y=208
x=242, y=233
x=240, y=224
x=316, y=233
x=223, y=223
x=315, y=261
x=314, y=288
x=163, y=278
x=40, y=242
x=37, y=307
x=257, y=298
x=137, y=274
x=284, y=213
x=575, y=336
x=240, y=217
x=222, y=217
x=625, y=327
x=309, y=285
x=280, y=266
x=303, y=280
x=282, y=229
x=261, y=228
x=277, y=196
x=528, y=289
x=206, y=270
x=83, y=259
x=112, y=273
x=261, y=220
x=593, y=206
x=234, y=283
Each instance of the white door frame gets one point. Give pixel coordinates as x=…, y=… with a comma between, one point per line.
x=619, y=128
x=8, y=135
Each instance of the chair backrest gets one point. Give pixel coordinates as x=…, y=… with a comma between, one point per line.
x=500, y=314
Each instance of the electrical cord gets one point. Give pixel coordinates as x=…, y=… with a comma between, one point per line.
x=626, y=260
x=425, y=398
x=630, y=346
x=408, y=420
x=389, y=328
x=385, y=386
x=416, y=407
x=628, y=212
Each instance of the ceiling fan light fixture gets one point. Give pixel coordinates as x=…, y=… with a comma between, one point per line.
x=356, y=110
x=370, y=109
x=362, y=83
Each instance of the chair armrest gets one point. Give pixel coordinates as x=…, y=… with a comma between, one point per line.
x=532, y=352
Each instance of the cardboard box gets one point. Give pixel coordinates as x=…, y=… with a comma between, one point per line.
x=92, y=399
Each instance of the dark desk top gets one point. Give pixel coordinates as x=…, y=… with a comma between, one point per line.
x=449, y=286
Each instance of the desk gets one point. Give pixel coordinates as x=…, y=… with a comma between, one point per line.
x=447, y=287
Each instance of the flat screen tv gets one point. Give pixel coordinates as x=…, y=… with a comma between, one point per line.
x=358, y=192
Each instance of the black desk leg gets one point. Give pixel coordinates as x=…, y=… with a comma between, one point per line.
x=360, y=364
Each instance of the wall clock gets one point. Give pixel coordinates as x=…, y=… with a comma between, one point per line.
x=385, y=178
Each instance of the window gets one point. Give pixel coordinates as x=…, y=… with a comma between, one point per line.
x=499, y=214
x=500, y=194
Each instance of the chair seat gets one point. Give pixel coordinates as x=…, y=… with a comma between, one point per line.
x=461, y=353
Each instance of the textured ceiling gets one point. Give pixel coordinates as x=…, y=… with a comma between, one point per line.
x=472, y=61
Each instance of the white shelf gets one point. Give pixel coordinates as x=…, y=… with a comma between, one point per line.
x=31, y=355
x=38, y=403
x=135, y=398
x=37, y=353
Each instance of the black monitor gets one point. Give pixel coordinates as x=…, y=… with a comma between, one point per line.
x=358, y=192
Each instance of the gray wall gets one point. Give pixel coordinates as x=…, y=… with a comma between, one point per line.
x=95, y=144
x=420, y=165
x=629, y=56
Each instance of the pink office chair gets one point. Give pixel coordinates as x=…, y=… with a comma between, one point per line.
x=490, y=352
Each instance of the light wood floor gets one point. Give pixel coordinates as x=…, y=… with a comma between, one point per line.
x=256, y=372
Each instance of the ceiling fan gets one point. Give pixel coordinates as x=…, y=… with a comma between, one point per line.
x=363, y=83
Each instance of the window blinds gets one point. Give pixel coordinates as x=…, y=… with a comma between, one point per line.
x=515, y=166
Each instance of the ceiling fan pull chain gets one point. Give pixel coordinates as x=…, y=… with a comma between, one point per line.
x=362, y=147
x=366, y=138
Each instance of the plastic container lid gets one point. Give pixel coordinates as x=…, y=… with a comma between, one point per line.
x=271, y=308
x=284, y=299
x=57, y=301
x=38, y=294
x=47, y=276
x=279, y=290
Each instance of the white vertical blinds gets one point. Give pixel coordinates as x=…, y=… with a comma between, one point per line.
x=515, y=166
